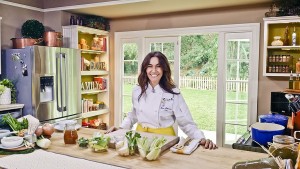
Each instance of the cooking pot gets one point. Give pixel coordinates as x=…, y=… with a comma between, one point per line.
x=19, y=43
x=274, y=118
x=53, y=39
x=263, y=133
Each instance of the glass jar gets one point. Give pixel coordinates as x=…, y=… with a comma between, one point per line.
x=284, y=147
x=277, y=41
x=70, y=134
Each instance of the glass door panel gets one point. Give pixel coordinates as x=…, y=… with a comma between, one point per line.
x=130, y=75
x=236, y=94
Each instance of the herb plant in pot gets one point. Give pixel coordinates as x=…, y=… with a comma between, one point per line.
x=7, y=92
x=32, y=32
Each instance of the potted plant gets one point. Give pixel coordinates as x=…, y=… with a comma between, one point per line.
x=32, y=29
x=7, y=92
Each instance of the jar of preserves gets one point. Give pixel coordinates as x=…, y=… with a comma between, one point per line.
x=285, y=147
x=70, y=133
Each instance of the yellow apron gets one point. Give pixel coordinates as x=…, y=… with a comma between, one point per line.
x=165, y=131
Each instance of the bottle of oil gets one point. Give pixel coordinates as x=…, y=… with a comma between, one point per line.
x=294, y=36
x=291, y=81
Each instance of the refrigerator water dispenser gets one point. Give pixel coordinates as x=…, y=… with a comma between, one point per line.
x=46, y=88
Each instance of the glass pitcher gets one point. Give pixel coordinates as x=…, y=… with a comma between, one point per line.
x=70, y=133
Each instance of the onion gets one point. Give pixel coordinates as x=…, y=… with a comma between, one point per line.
x=48, y=129
x=39, y=131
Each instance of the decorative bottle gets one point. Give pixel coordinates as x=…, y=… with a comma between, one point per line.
x=291, y=81
x=72, y=20
x=294, y=36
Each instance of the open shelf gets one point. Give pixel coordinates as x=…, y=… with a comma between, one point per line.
x=94, y=72
x=94, y=113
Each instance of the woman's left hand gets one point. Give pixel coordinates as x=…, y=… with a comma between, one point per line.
x=208, y=144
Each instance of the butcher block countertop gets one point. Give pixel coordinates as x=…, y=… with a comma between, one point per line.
x=221, y=158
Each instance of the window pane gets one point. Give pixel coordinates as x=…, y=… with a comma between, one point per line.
x=237, y=91
x=233, y=133
x=236, y=113
x=238, y=49
x=238, y=70
x=130, y=56
x=130, y=68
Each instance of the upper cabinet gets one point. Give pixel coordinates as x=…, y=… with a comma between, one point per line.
x=93, y=44
x=281, y=45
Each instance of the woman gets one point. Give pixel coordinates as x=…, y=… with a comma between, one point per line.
x=157, y=103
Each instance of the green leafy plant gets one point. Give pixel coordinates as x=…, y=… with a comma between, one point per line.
x=9, y=84
x=32, y=29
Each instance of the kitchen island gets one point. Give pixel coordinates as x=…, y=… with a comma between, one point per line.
x=221, y=158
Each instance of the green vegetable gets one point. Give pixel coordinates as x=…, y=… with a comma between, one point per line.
x=132, y=141
x=12, y=122
x=43, y=143
x=99, y=144
x=150, y=150
x=83, y=142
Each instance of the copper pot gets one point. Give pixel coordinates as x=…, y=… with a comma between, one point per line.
x=53, y=39
x=19, y=43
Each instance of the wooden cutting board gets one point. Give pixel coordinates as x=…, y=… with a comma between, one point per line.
x=171, y=140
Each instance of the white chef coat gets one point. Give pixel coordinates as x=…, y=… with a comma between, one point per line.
x=159, y=109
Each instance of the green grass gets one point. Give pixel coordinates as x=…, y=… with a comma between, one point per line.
x=202, y=105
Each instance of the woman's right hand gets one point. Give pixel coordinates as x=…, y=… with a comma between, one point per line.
x=111, y=129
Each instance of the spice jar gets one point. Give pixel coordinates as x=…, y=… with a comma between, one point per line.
x=285, y=147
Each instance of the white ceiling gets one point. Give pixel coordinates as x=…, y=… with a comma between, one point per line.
x=131, y=8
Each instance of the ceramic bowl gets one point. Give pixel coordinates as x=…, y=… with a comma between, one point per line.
x=12, y=141
x=62, y=124
x=4, y=133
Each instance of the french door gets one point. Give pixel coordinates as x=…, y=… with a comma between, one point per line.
x=237, y=86
x=235, y=95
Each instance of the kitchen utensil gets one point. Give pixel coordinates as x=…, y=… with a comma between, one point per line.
x=53, y=39
x=274, y=118
x=264, y=132
x=19, y=43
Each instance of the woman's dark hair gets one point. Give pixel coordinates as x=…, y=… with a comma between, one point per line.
x=165, y=82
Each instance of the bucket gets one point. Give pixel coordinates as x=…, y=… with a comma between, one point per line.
x=53, y=39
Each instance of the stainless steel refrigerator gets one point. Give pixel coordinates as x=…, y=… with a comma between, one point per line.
x=47, y=80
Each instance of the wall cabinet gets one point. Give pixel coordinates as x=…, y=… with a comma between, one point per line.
x=93, y=44
x=280, y=59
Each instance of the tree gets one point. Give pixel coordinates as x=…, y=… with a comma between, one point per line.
x=199, y=53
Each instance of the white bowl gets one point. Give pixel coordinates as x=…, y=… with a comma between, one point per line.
x=62, y=124
x=4, y=133
x=12, y=141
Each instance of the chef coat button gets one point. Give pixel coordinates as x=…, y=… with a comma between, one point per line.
x=155, y=110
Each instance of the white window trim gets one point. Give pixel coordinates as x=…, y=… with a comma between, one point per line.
x=221, y=29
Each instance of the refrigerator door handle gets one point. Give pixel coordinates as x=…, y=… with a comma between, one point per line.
x=58, y=94
x=63, y=55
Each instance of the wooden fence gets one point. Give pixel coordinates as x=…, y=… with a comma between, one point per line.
x=203, y=83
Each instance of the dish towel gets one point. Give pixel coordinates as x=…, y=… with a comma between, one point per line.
x=190, y=145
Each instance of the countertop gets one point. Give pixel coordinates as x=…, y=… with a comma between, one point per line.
x=221, y=158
